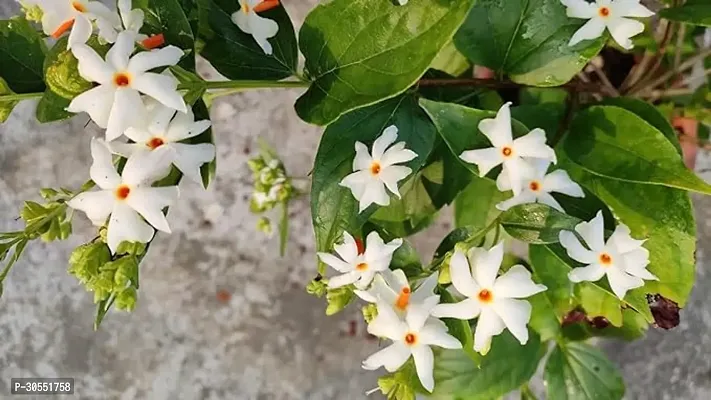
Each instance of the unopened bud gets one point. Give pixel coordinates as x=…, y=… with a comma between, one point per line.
x=126, y=300
x=316, y=287
x=370, y=311
x=33, y=12
x=264, y=225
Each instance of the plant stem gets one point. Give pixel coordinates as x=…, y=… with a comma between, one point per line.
x=688, y=64
x=6, y=98
x=605, y=81
x=496, y=84
x=248, y=84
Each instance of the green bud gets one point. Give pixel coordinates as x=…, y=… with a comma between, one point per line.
x=264, y=225
x=33, y=12
x=317, y=287
x=444, y=275
x=256, y=164
x=126, y=300
x=370, y=311
x=131, y=248
x=269, y=177
x=103, y=234
x=100, y=295
x=86, y=260
x=338, y=299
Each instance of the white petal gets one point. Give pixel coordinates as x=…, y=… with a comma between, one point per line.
x=621, y=282
x=376, y=249
x=460, y=272
x=417, y=314
x=334, y=262
x=121, y=50
x=559, y=181
x=518, y=171
x=622, y=29
x=425, y=289
x=126, y=225
x=184, y=126
x=590, y=273
x=436, y=335
x=54, y=17
x=357, y=183
x=485, y=159
x=393, y=174
x=150, y=202
x=547, y=199
x=96, y=205
x=592, y=29
x=575, y=249
x=515, y=314
x=503, y=183
x=106, y=30
x=534, y=144
x=630, y=8
x=127, y=111
x=516, y=283
x=636, y=265
x=102, y=170
x=81, y=31
x=138, y=135
x=97, y=102
x=593, y=232
x=362, y=160
x=396, y=280
x=161, y=87
x=397, y=154
x=348, y=250
x=387, y=324
x=190, y=157
x=486, y=265
x=580, y=9
x=623, y=241
x=148, y=60
x=343, y=280
x=91, y=66
x=524, y=197
x=488, y=325
x=364, y=278
x=379, y=290
x=498, y=129
x=160, y=118
x=374, y=192
x=384, y=141
x=424, y=364
x=465, y=310
x=146, y=167
x=367, y=295
x=391, y=357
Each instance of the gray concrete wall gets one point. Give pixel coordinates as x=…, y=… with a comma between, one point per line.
x=270, y=340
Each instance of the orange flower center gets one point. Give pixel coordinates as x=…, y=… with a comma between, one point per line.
x=507, y=151
x=155, y=143
x=403, y=300
x=122, y=79
x=485, y=296
x=375, y=168
x=78, y=6
x=122, y=192
x=362, y=267
x=410, y=339
x=245, y=7
x=604, y=11
x=535, y=186
x=605, y=259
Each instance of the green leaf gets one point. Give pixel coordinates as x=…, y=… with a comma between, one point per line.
x=5, y=106
x=460, y=329
x=536, y=96
x=167, y=17
x=694, y=12
x=536, y=223
x=476, y=204
x=445, y=186
x=578, y=371
x=22, y=53
x=615, y=143
x=506, y=367
x=660, y=214
x=461, y=234
x=61, y=71
x=547, y=116
x=401, y=385
x=236, y=54
x=333, y=207
x=526, y=40
x=406, y=258
x=359, y=52
x=450, y=60
x=649, y=113
x=551, y=266
x=207, y=171
x=52, y=107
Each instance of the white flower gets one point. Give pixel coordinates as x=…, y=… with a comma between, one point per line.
x=508, y=151
x=538, y=188
x=393, y=288
x=116, y=103
x=622, y=258
x=359, y=267
x=608, y=14
x=248, y=21
x=496, y=301
x=373, y=174
x=414, y=336
x=164, y=132
x=59, y=16
x=132, y=19
x=125, y=198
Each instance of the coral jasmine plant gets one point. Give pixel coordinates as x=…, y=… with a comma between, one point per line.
x=561, y=151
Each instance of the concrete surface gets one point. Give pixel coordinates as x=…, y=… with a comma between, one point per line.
x=269, y=339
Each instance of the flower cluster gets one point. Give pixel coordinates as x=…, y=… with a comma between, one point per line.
x=147, y=108
x=271, y=184
x=613, y=15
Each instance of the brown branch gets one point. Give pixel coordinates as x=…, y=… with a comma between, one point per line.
x=637, y=76
x=496, y=84
x=571, y=105
x=688, y=64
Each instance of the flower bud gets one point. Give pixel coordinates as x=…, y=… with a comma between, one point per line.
x=256, y=164
x=126, y=300
x=33, y=12
x=317, y=287
x=370, y=311
x=264, y=225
